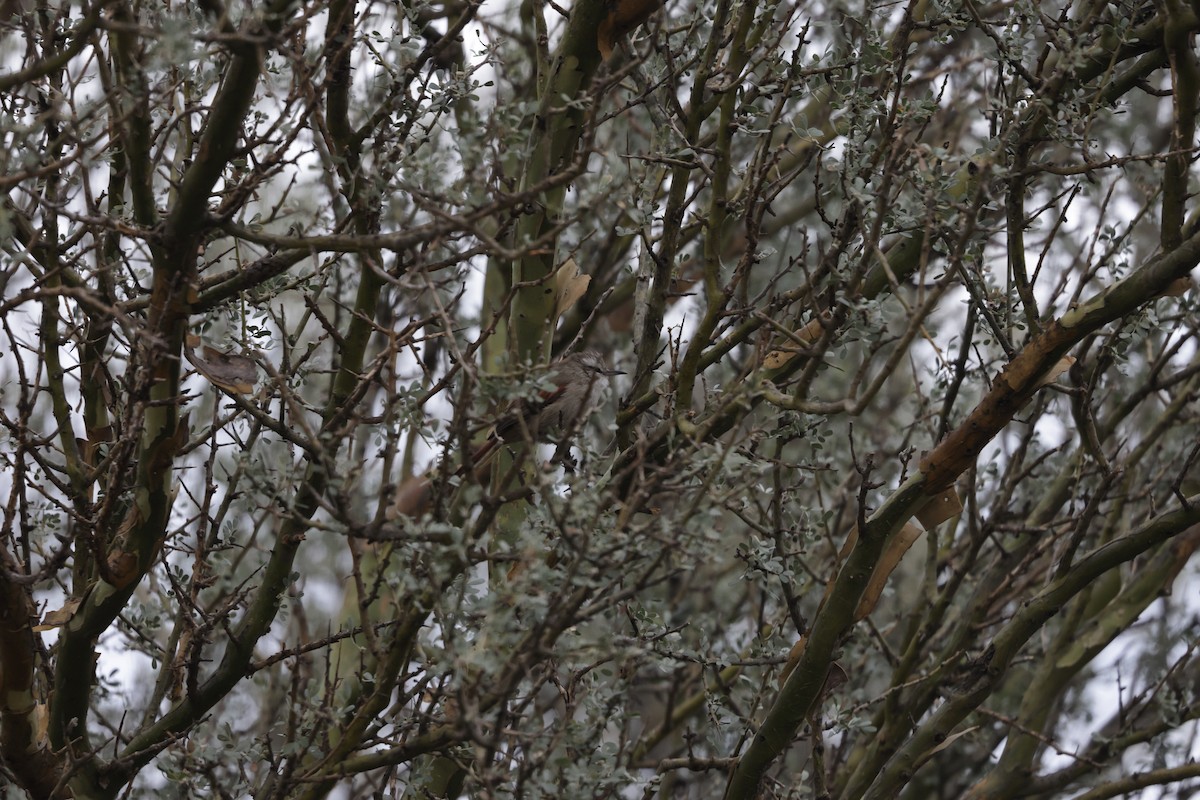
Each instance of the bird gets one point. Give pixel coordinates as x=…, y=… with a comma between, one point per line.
x=554, y=413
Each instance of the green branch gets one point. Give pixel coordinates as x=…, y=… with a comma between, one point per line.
x=1024, y=624
x=939, y=470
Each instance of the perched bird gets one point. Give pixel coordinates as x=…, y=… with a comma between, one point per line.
x=554, y=414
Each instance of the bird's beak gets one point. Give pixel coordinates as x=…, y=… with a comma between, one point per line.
x=614, y=372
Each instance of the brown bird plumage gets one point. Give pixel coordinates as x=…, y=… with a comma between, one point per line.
x=553, y=414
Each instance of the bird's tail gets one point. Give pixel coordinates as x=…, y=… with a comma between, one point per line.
x=414, y=496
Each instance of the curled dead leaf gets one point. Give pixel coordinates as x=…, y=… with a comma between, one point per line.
x=59, y=616
x=949, y=740
x=793, y=658
x=940, y=508
x=836, y=677
x=896, y=548
x=1051, y=375
x=569, y=287
x=230, y=371
x=804, y=337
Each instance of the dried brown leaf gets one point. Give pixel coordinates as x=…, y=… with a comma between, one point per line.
x=232, y=372
x=803, y=338
x=59, y=616
x=888, y=562
x=569, y=287
x=1059, y=368
x=940, y=508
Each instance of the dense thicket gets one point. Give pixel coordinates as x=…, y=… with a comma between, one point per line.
x=890, y=500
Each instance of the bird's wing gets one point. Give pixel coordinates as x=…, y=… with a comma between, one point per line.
x=509, y=425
